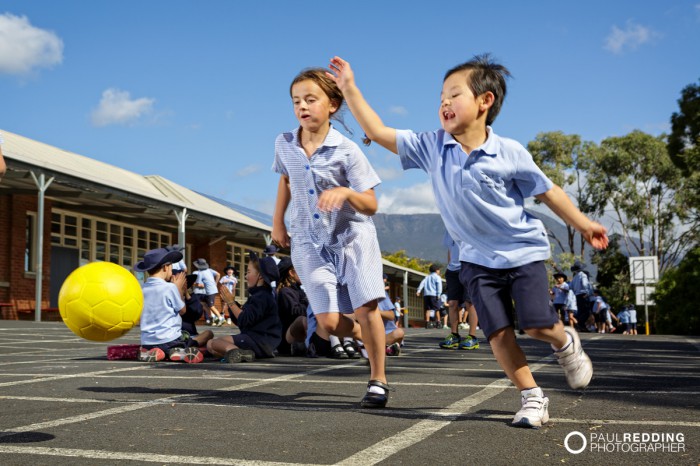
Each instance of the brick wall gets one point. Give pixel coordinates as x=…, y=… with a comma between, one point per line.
x=13, y=221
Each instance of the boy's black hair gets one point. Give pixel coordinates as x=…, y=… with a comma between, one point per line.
x=433, y=268
x=485, y=75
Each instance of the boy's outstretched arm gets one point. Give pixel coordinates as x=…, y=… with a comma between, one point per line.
x=368, y=119
x=593, y=232
x=279, y=229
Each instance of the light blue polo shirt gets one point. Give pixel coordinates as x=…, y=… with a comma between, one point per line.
x=160, y=318
x=481, y=195
x=432, y=284
x=452, y=246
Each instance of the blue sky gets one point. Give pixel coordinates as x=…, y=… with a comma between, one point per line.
x=197, y=91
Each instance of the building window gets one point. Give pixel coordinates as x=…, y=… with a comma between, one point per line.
x=98, y=239
x=29, y=243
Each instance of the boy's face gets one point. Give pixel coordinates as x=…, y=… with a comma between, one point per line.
x=312, y=107
x=560, y=279
x=459, y=108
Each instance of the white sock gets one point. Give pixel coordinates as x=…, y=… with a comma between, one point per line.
x=537, y=391
x=375, y=389
x=334, y=340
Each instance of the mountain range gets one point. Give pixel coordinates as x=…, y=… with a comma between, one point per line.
x=420, y=235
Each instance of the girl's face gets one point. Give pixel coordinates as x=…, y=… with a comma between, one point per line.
x=229, y=272
x=252, y=276
x=312, y=107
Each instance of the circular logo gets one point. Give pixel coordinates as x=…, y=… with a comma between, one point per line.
x=578, y=434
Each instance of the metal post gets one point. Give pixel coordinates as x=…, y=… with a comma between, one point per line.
x=181, y=219
x=405, y=299
x=646, y=303
x=42, y=185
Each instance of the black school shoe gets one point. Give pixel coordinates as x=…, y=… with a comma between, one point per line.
x=375, y=400
x=337, y=352
x=351, y=351
x=239, y=355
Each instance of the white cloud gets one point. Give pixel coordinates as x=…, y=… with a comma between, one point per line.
x=398, y=110
x=249, y=170
x=388, y=173
x=24, y=47
x=416, y=199
x=117, y=108
x=630, y=38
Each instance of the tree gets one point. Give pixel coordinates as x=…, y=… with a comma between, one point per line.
x=676, y=297
x=400, y=258
x=634, y=178
x=613, y=276
x=565, y=160
x=684, y=150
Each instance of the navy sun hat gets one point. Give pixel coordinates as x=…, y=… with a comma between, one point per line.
x=578, y=266
x=559, y=274
x=229, y=267
x=268, y=268
x=201, y=264
x=270, y=249
x=156, y=258
x=284, y=266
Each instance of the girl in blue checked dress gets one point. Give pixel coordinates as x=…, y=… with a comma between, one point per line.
x=329, y=185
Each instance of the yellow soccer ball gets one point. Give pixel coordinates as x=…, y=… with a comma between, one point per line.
x=100, y=301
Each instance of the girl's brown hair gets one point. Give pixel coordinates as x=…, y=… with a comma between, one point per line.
x=328, y=86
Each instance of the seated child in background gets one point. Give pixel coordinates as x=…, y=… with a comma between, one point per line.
x=291, y=306
x=394, y=334
x=193, y=312
x=261, y=329
x=163, y=306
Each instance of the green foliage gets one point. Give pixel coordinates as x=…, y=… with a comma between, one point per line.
x=565, y=160
x=677, y=296
x=400, y=258
x=613, y=274
x=634, y=177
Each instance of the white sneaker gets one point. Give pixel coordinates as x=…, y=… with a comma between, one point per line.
x=535, y=410
x=228, y=321
x=578, y=368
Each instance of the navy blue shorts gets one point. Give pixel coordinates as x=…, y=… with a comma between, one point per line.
x=455, y=290
x=431, y=303
x=493, y=292
x=247, y=342
x=181, y=342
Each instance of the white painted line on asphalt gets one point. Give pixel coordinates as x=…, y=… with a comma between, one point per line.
x=146, y=457
x=64, y=377
x=134, y=406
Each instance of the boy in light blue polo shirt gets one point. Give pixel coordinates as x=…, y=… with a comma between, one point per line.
x=480, y=181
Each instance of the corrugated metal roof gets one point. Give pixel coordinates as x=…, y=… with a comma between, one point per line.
x=31, y=152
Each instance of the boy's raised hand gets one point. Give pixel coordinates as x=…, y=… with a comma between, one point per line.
x=596, y=235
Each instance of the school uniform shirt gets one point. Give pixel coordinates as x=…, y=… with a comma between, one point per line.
x=453, y=247
x=632, y=315
x=624, y=316
x=260, y=320
x=571, y=302
x=229, y=282
x=207, y=278
x=160, y=318
x=481, y=195
x=330, y=248
x=432, y=284
x=599, y=305
x=580, y=284
x=560, y=293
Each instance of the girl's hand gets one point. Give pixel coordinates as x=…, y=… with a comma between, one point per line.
x=333, y=199
x=596, y=235
x=342, y=74
x=280, y=235
x=226, y=296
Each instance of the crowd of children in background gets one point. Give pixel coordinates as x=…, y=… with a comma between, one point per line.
x=275, y=320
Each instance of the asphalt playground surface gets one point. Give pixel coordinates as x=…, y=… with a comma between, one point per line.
x=63, y=402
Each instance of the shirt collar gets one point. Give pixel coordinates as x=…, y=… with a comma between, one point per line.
x=489, y=147
x=333, y=138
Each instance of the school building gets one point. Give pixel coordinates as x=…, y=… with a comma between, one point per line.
x=60, y=210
